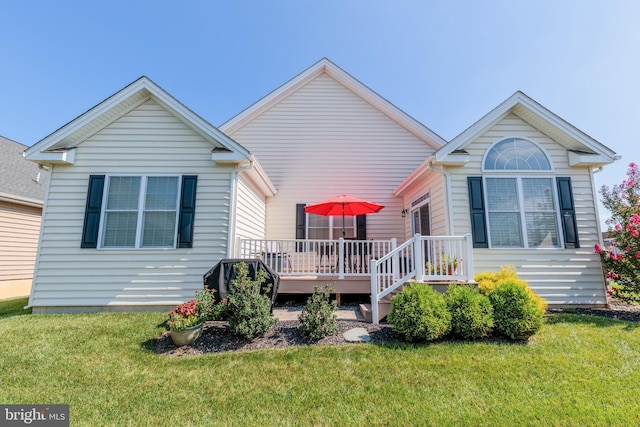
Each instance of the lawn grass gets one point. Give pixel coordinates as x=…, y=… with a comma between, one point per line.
x=577, y=370
x=14, y=306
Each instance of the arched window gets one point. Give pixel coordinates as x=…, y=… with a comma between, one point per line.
x=521, y=209
x=516, y=154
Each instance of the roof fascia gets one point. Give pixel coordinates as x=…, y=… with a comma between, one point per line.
x=10, y=198
x=519, y=98
x=261, y=179
x=413, y=177
x=38, y=150
x=62, y=157
x=347, y=80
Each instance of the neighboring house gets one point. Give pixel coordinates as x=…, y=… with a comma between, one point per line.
x=22, y=190
x=145, y=196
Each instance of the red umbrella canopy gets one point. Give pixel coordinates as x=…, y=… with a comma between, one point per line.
x=343, y=206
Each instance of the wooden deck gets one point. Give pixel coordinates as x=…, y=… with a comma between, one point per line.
x=305, y=284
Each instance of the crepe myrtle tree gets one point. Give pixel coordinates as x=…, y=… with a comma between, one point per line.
x=621, y=260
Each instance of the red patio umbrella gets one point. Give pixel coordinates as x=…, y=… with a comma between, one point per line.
x=343, y=206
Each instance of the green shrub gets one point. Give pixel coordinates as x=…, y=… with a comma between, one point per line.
x=489, y=279
x=318, y=318
x=420, y=313
x=249, y=312
x=516, y=312
x=624, y=293
x=471, y=312
x=207, y=307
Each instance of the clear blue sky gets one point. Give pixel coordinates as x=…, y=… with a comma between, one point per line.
x=446, y=63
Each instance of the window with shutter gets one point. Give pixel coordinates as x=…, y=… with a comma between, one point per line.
x=139, y=212
x=512, y=208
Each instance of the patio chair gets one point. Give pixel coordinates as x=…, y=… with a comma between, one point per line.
x=275, y=258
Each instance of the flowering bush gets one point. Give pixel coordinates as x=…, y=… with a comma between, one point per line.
x=184, y=316
x=622, y=259
x=194, y=311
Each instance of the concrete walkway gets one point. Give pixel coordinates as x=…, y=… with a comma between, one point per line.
x=292, y=313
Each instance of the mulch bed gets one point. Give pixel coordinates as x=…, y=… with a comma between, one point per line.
x=216, y=338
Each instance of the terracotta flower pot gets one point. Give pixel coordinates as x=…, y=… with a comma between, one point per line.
x=186, y=336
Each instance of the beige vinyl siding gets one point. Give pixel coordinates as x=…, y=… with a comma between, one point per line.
x=19, y=231
x=323, y=140
x=147, y=140
x=433, y=183
x=251, y=213
x=562, y=276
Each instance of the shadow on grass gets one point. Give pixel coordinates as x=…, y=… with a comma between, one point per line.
x=14, y=307
x=599, y=320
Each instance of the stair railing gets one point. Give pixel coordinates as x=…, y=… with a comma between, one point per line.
x=393, y=270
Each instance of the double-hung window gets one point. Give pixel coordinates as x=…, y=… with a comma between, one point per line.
x=330, y=227
x=140, y=212
x=520, y=201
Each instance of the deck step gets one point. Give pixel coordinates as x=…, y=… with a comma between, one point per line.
x=384, y=308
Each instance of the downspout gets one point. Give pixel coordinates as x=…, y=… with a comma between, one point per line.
x=447, y=186
x=595, y=192
x=233, y=196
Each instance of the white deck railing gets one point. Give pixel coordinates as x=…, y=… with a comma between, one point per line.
x=338, y=258
x=421, y=258
x=424, y=259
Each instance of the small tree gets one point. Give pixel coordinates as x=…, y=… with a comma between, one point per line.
x=622, y=260
x=318, y=319
x=249, y=312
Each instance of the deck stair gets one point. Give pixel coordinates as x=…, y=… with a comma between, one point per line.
x=384, y=307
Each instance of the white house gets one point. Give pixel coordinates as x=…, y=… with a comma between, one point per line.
x=145, y=196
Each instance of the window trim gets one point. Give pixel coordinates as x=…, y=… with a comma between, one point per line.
x=140, y=212
x=521, y=213
x=331, y=226
x=511, y=171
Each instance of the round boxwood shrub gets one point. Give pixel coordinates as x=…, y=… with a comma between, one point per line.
x=471, y=312
x=419, y=314
x=517, y=312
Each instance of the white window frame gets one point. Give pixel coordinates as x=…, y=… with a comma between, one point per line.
x=415, y=209
x=499, y=140
x=521, y=210
x=140, y=212
x=519, y=175
x=331, y=226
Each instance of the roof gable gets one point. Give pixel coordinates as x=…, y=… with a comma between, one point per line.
x=59, y=146
x=582, y=149
x=324, y=66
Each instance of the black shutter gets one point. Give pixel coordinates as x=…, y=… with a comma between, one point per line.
x=567, y=213
x=301, y=226
x=361, y=227
x=478, y=217
x=92, y=212
x=187, y=211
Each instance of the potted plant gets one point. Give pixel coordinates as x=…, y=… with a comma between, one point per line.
x=447, y=263
x=186, y=321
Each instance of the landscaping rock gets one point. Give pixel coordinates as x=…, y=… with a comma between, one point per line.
x=357, y=335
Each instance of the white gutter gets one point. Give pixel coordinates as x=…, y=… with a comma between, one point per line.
x=233, y=195
x=447, y=190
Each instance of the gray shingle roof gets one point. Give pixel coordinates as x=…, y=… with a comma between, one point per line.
x=19, y=177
